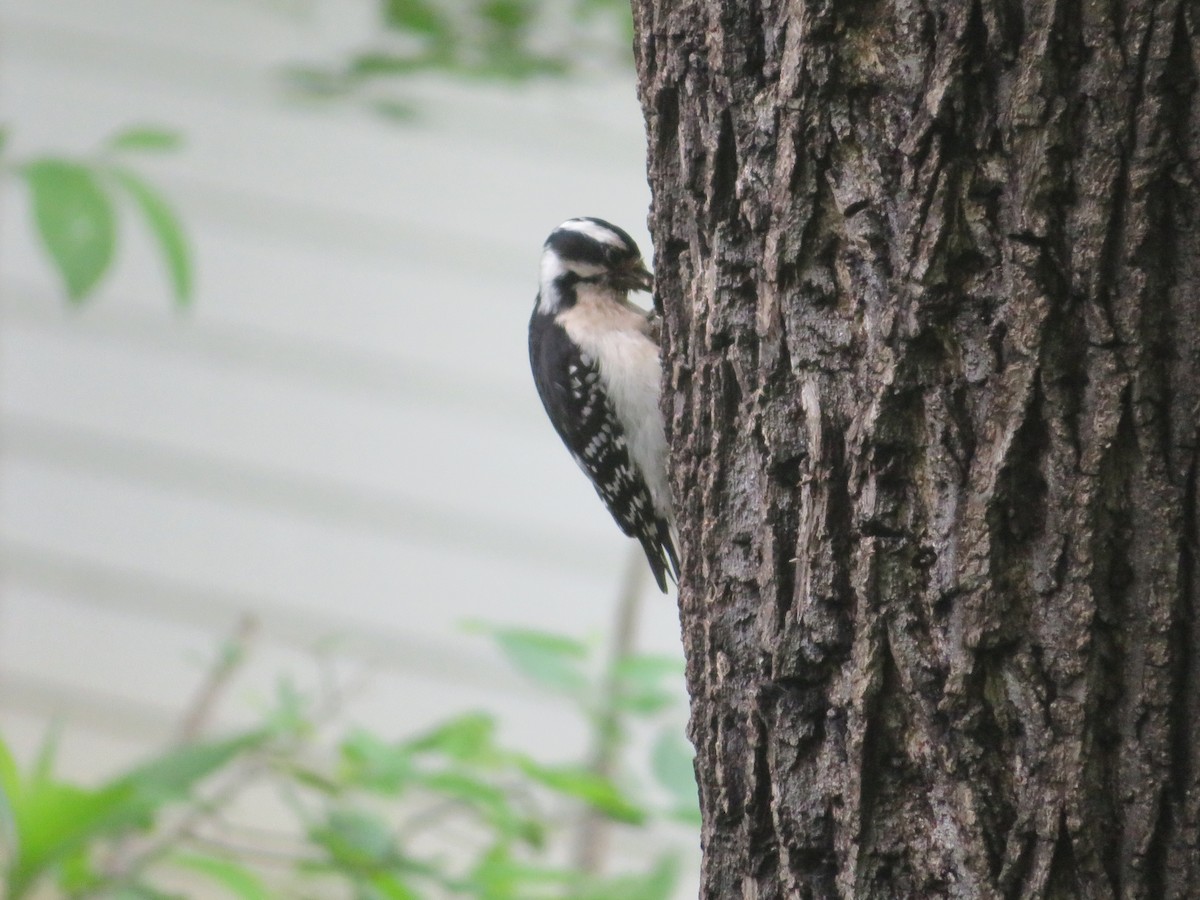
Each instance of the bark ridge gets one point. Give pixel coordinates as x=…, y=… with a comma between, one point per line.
x=931, y=284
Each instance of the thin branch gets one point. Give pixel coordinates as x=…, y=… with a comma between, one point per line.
x=592, y=840
x=265, y=855
x=232, y=655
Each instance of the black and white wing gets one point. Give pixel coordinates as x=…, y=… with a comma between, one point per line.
x=572, y=391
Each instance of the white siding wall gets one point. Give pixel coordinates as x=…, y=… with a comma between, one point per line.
x=341, y=437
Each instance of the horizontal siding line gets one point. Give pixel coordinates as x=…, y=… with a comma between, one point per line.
x=453, y=106
x=396, y=244
x=393, y=239
x=154, y=597
x=243, y=484
x=73, y=48
x=400, y=244
x=79, y=708
x=321, y=364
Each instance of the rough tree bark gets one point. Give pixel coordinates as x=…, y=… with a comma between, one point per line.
x=931, y=281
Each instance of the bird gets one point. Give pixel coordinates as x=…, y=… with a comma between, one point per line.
x=597, y=367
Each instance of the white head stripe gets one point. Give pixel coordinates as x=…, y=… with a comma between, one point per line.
x=552, y=268
x=594, y=231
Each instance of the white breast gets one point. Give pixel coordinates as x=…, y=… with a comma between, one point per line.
x=615, y=334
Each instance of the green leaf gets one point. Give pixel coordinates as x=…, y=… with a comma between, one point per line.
x=503, y=60
x=387, y=886
x=165, y=226
x=551, y=660
x=53, y=821
x=658, y=884
x=145, y=137
x=648, y=683
x=650, y=668
x=75, y=221
x=498, y=875
x=489, y=802
x=310, y=778
x=9, y=786
x=43, y=765
x=367, y=65
x=9, y=775
x=234, y=877
x=371, y=763
x=172, y=776
x=357, y=840
x=416, y=16
x=585, y=9
x=585, y=785
x=395, y=109
x=77, y=877
x=468, y=738
x=504, y=44
x=290, y=716
x=508, y=15
x=141, y=891
x=671, y=760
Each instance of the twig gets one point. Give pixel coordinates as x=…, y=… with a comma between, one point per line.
x=264, y=855
x=594, y=827
x=131, y=856
x=434, y=814
x=232, y=655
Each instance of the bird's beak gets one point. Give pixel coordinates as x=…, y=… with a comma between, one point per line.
x=636, y=278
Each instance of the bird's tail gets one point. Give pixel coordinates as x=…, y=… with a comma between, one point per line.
x=662, y=555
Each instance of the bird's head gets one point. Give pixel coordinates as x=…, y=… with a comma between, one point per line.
x=589, y=252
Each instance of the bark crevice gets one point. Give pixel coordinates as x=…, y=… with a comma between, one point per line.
x=930, y=279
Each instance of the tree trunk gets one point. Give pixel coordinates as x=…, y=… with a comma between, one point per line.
x=931, y=287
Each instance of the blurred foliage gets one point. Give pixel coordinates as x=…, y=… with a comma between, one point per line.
x=364, y=807
x=366, y=810
x=509, y=41
x=74, y=203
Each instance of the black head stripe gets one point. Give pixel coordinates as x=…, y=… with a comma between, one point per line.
x=574, y=246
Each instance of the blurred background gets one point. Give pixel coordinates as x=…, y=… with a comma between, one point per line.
x=272, y=442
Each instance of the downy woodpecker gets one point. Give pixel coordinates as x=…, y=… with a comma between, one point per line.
x=595, y=360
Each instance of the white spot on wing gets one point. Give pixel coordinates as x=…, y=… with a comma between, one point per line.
x=613, y=338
